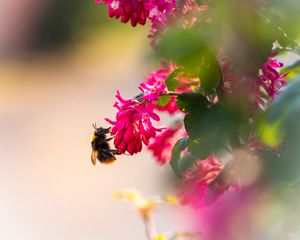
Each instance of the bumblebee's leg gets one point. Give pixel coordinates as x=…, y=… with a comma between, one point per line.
x=108, y=139
x=115, y=152
x=107, y=130
x=103, y=131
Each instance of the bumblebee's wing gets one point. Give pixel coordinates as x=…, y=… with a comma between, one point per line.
x=94, y=156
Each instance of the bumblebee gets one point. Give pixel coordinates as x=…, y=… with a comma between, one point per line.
x=100, y=147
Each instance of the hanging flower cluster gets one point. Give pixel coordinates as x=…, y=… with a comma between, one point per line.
x=184, y=85
x=133, y=126
x=270, y=79
x=138, y=11
x=196, y=180
x=186, y=10
x=161, y=146
x=154, y=85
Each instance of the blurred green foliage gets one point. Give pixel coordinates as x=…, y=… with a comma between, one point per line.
x=63, y=21
x=247, y=31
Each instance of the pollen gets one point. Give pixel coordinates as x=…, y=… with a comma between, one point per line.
x=93, y=137
x=171, y=199
x=160, y=237
x=115, y=5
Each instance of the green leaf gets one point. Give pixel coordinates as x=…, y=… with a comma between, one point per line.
x=210, y=73
x=271, y=133
x=292, y=69
x=277, y=118
x=182, y=46
x=287, y=103
x=274, y=21
x=163, y=101
x=214, y=127
x=188, y=102
x=176, y=155
x=206, y=121
x=171, y=81
x=203, y=147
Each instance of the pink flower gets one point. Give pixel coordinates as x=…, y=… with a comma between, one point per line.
x=236, y=217
x=157, y=78
x=137, y=11
x=161, y=145
x=256, y=145
x=133, y=124
x=270, y=79
x=186, y=13
x=154, y=85
x=195, y=190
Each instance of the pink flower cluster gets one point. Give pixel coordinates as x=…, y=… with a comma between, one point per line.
x=154, y=85
x=138, y=11
x=184, y=85
x=156, y=79
x=270, y=79
x=133, y=125
x=196, y=180
x=236, y=217
x=161, y=146
x=186, y=12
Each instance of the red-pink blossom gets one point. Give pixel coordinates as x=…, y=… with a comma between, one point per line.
x=133, y=125
x=162, y=144
x=195, y=190
x=270, y=79
x=236, y=217
x=138, y=11
x=185, y=13
x=154, y=85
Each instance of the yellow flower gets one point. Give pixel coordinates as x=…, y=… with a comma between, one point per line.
x=145, y=207
x=129, y=195
x=160, y=237
x=171, y=199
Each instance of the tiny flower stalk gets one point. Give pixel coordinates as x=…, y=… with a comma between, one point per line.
x=150, y=228
x=145, y=208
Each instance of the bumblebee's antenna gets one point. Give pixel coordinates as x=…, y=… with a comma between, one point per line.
x=95, y=125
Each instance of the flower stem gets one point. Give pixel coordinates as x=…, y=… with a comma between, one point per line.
x=150, y=228
x=169, y=93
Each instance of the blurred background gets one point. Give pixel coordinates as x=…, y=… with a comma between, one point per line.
x=60, y=66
